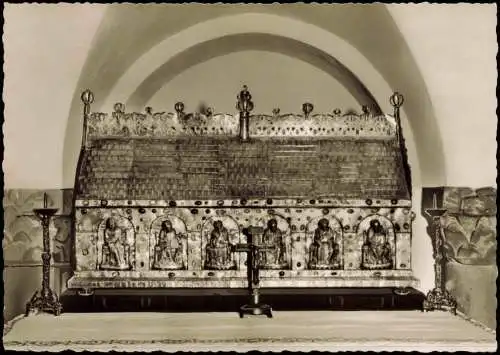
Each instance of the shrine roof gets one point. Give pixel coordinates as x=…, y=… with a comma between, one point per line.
x=219, y=168
x=178, y=156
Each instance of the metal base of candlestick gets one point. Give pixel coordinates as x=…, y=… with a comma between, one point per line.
x=48, y=303
x=439, y=300
x=256, y=310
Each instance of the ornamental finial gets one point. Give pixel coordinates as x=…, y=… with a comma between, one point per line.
x=87, y=97
x=119, y=107
x=244, y=103
x=397, y=100
x=179, y=108
x=307, y=108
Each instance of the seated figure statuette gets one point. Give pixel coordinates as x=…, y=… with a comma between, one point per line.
x=218, y=250
x=376, y=252
x=168, y=248
x=324, y=252
x=115, y=249
x=274, y=258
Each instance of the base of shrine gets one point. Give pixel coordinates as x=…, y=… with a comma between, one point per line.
x=299, y=331
x=230, y=300
x=238, y=279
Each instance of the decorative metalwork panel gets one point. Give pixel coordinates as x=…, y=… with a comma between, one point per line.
x=403, y=248
x=161, y=125
x=162, y=199
x=195, y=243
x=107, y=241
x=350, y=125
x=135, y=124
x=208, y=168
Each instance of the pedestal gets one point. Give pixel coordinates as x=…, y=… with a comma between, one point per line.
x=438, y=298
x=45, y=300
x=255, y=308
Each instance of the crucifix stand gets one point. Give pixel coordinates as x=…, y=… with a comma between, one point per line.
x=254, y=306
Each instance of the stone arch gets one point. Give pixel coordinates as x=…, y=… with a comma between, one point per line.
x=216, y=47
x=294, y=24
x=241, y=24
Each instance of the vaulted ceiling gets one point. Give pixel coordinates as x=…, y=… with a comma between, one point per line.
x=138, y=49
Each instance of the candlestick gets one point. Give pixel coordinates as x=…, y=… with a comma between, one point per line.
x=438, y=298
x=44, y=200
x=434, y=201
x=45, y=300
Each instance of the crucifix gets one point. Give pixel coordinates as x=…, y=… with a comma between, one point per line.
x=254, y=307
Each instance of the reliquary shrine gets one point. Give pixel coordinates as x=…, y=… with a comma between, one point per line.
x=161, y=199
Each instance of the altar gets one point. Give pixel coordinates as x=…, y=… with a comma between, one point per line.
x=162, y=199
x=292, y=331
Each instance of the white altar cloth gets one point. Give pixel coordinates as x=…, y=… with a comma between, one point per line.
x=294, y=331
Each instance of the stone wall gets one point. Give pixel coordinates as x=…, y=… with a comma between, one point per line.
x=469, y=227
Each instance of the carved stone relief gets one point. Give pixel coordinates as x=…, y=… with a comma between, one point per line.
x=469, y=226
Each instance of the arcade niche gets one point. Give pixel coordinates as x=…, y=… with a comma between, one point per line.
x=163, y=198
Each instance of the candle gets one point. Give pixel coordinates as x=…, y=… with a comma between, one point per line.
x=44, y=200
x=434, y=201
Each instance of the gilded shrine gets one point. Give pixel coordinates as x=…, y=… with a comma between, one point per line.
x=162, y=199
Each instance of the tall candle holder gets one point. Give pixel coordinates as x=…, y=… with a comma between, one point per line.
x=438, y=298
x=45, y=300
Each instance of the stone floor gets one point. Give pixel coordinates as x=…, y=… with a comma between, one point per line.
x=225, y=331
